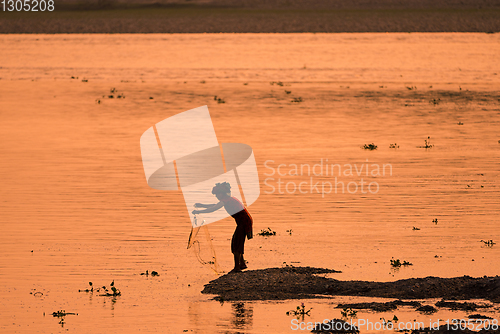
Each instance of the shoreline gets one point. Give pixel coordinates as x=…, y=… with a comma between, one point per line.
x=302, y=283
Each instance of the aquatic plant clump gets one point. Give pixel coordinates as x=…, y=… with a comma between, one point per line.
x=111, y=292
x=61, y=314
x=348, y=312
x=397, y=263
x=153, y=273
x=267, y=233
x=370, y=147
x=427, y=143
x=299, y=311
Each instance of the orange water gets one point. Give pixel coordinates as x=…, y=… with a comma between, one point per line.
x=75, y=206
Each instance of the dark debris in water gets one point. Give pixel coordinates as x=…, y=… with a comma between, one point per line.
x=303, y=282
x=380, y=307
x=427, y=309
x=466, y=306
x=153, y=273
x=479, y=316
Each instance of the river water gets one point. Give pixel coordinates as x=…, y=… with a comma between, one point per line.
x=75, y=205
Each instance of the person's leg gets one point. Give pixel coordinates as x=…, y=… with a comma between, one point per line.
x=243, y=265
x=234, y=250
x=237, y=244
x=237, y=257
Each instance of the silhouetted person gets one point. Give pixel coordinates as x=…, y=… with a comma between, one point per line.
x=240, y=214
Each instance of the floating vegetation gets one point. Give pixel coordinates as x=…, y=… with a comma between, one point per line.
x=218, y=99
x=111, y=292
x=288, y=91
x=397, y=263
x=460, y=123
x=111, y=95
x=267, y=233
x=88, y=290
x=61, y=314
x=245, y=84
x=153, y=273
x=411, y=87
x=370, y=147
x=348, y=312
x=488, y=243
x=427, y=143
x=299, y=311
x=395, y=145
x=202, y=81
x=434, y=101
x=72, y=77
x=435, y=221
x=279, y=83
x=297, y=99
x=387, y=322
x=85, y=80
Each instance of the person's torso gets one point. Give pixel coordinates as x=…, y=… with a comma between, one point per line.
x=238, y=211
x=232, y=205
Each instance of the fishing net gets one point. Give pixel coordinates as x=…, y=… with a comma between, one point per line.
x=201, y=244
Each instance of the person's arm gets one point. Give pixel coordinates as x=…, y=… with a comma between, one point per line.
x=212, y=208
x=200, y=205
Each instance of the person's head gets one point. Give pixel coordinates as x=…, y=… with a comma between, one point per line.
x=222, y=190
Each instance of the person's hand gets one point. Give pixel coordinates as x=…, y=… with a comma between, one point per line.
x=195, y=212
x=197, y=205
